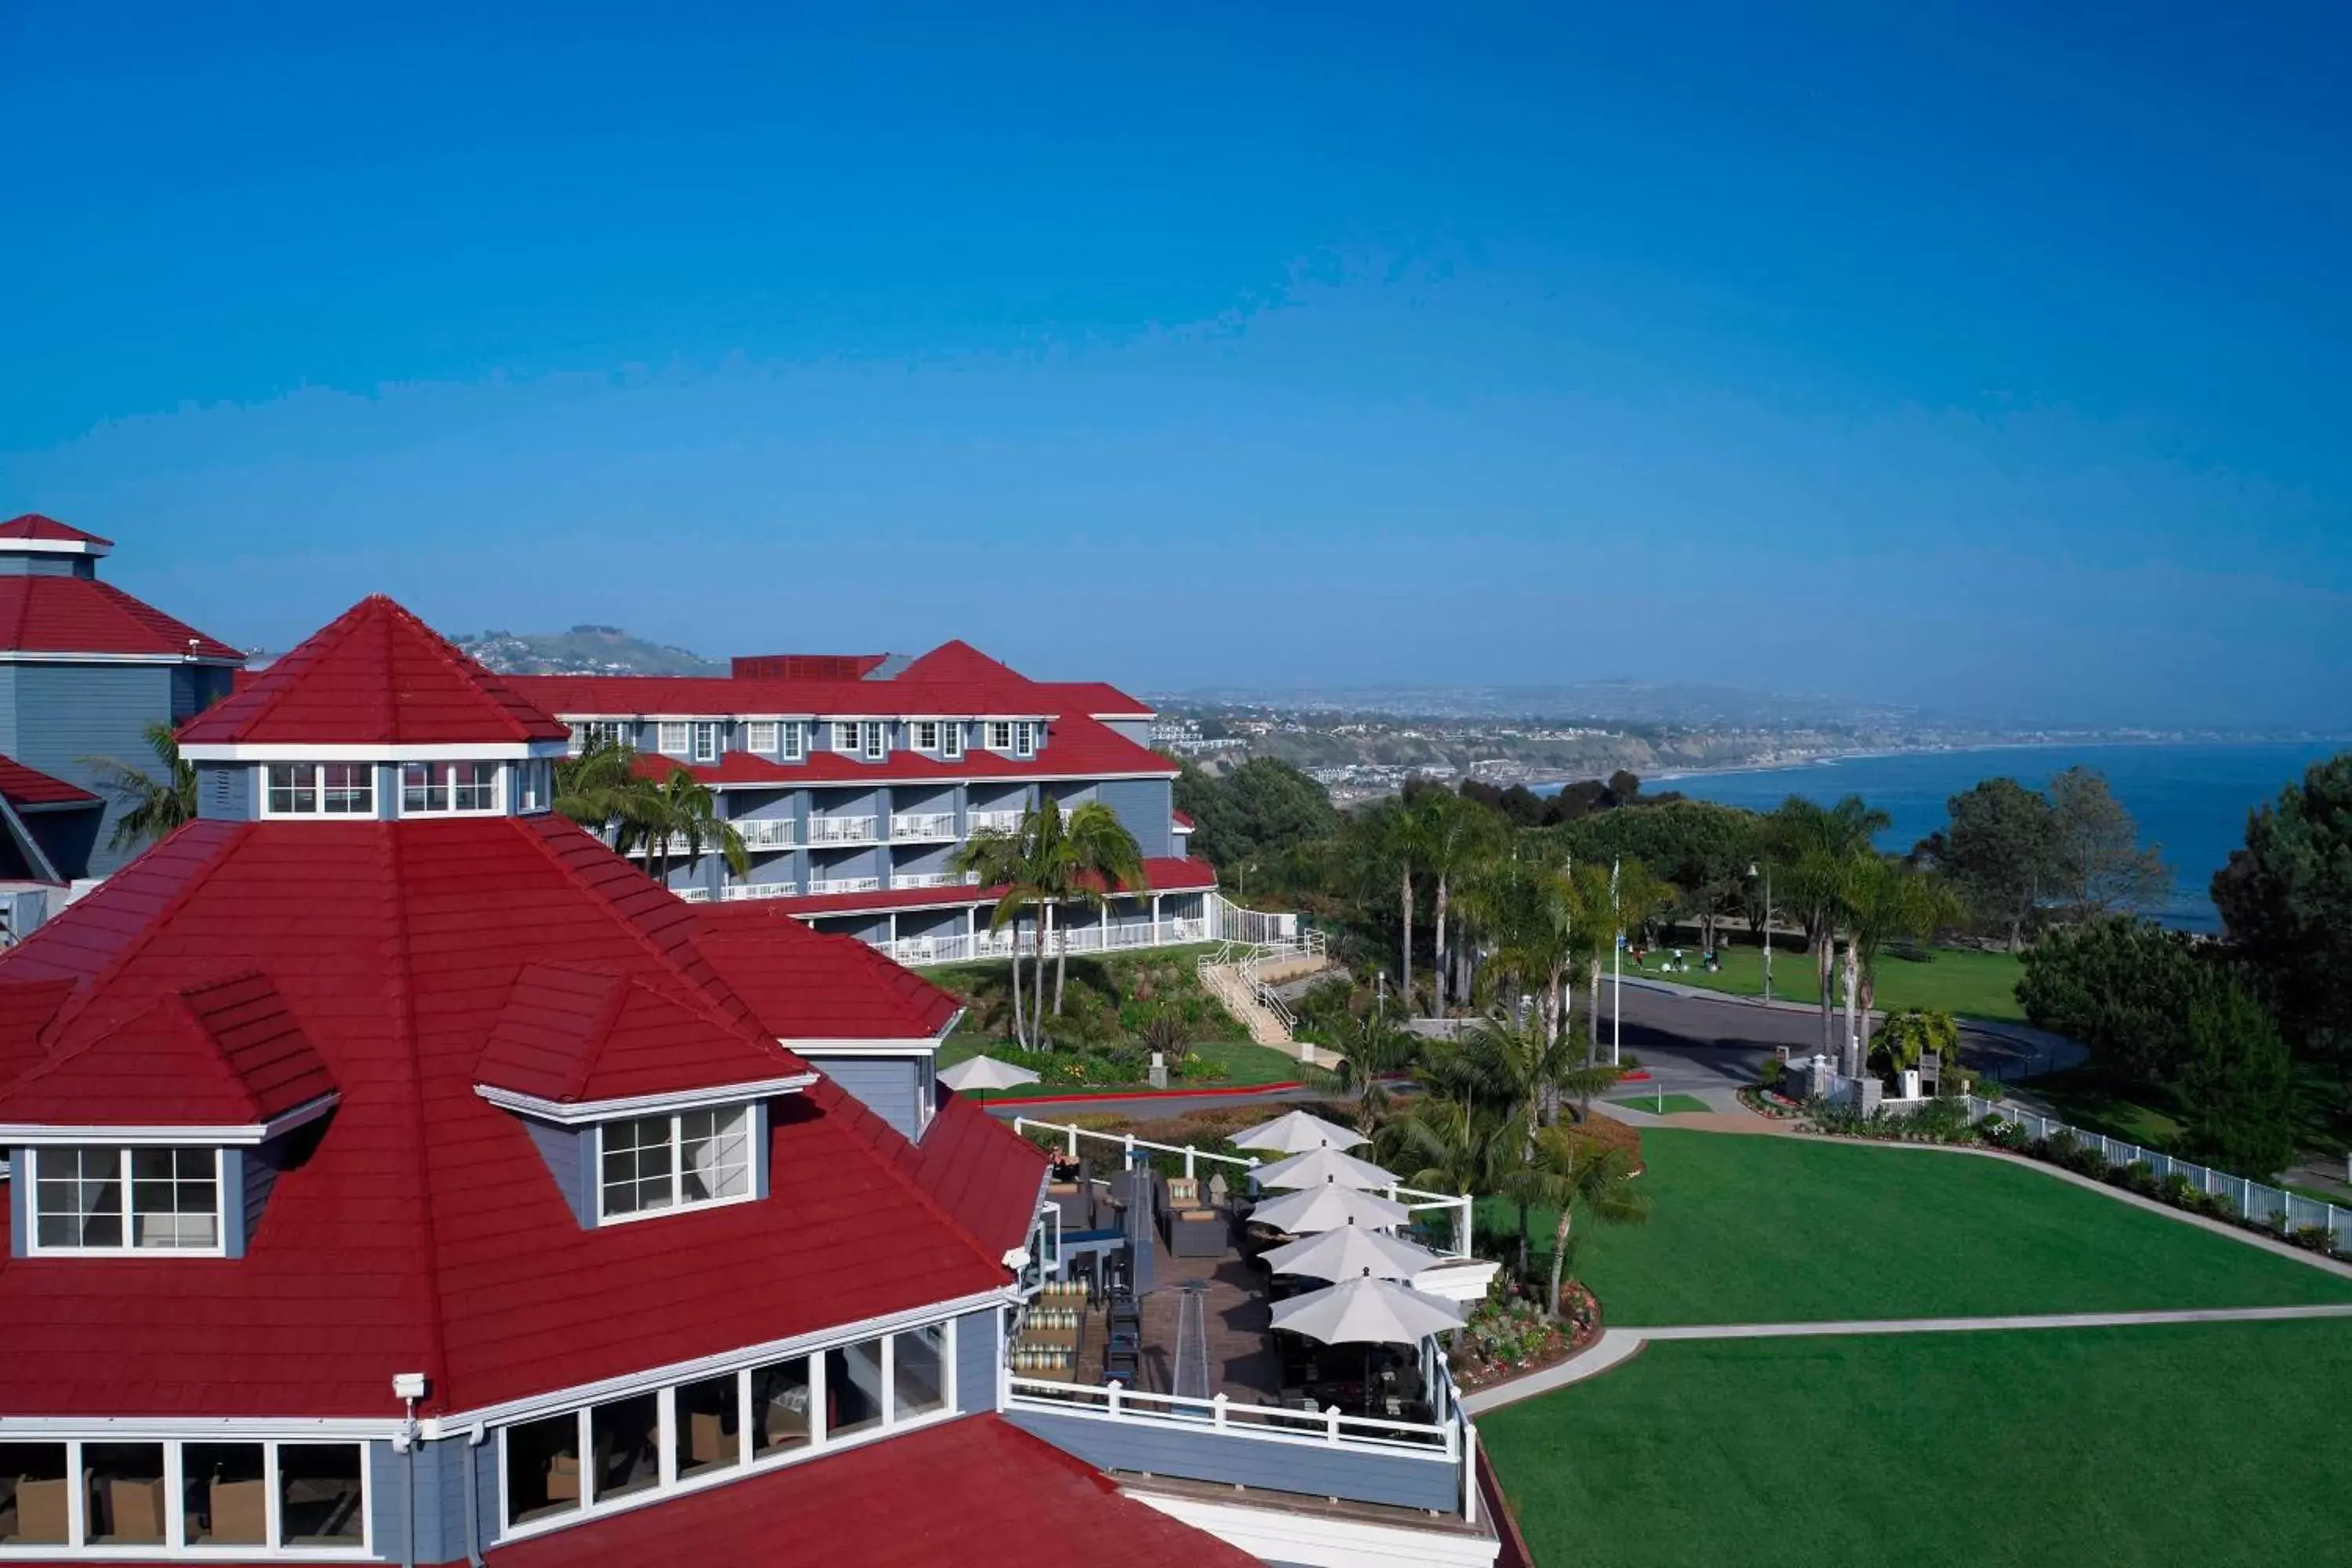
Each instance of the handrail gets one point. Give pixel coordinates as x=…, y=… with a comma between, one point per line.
x=1434, y=1440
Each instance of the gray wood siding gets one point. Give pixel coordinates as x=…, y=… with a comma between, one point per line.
x=64, y=713
x=569, y=1152
x=225, y=792
x=1399, y=1480
x=1143, y=804
x=891, y=1087
x=977, y=1359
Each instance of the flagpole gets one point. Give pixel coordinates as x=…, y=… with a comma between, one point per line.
x=1617, y=981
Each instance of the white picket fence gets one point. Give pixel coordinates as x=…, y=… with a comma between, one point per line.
x=2257, y=1203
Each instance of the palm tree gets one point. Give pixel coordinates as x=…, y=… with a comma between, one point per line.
x=152, y=808
x=1391, y=844
x=1525, y=1071
x=1884, y=900
x=1096, y=858
x=1524, y=903
x=1449, y=1144
x=1568, y=1170
x=1816, y=849
x=1607, y=901
x=680, y=806
x=1376, y=1050
x=1456, y=837
x=1004, y=860
x=601, y=788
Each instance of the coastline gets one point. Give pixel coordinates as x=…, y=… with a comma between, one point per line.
x=1830, y=759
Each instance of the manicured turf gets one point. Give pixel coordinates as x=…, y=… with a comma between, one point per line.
x=1948, y=979
x=2211, y=1443
x=1747, y=1229
x=2089, y=1100
x=1672, y=1105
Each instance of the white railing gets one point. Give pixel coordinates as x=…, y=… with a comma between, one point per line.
x=1438, y=1441
x=740, y=892
x=767, y=831
x=923, y=824
x=2254, y=1202
x=694, y=895
x=1413, y=1198
x=1122, y=938
x=822, y=885
x=841, y=830
x=958, y=948
x=994, y=821
x=934, y=878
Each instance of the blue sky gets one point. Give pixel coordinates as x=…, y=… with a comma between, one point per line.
x=1977, y=357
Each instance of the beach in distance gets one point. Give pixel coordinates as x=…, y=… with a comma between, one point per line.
x=2191, y=798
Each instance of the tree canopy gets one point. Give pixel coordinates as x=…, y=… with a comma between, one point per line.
x=1263, y=811
x=2000, y=852
x=2287, y=902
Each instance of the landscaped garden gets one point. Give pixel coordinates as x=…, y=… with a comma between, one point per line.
x=1763, y=1229
x=1969, y=982
x=2207, y=1443
x=1221, y=1063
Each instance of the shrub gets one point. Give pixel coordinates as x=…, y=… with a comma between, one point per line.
x=2315, y=1238
x=2175, y=1189
x=1768, y=1076
x=2140, y=1176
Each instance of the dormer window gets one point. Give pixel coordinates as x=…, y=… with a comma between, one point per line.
x=694, y=1159
x=448, y=789
x=672, y=737
x=706, y=742
x=1012, y=737
x=844, y=736
x=761, y=736
x=952, y=747
x=877, y=740
x=925, y=734
x=320, y=789
x=1025, y=739
x=793, y=740
x=100, y=1200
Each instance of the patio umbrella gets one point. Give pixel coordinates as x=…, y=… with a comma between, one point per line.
x=1351, y=1252
x=1326, y=1207
x=1318, y=1166
x=1365, y=1311
x=1296, y=1133
x=986, y=1072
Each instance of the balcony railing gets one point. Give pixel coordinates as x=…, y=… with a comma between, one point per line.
x=921, y=824
x=742, y=892
x=934, y=878
x=768, y=832
x=824, y=885
x=841, y=830
x=994, y=821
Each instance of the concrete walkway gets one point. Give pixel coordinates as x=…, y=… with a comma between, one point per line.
x=1615, y=1345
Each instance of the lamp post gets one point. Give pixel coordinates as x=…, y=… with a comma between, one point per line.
x=1617, y=979
x=1766, y=934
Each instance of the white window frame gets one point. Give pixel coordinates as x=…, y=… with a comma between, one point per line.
x=175, y=1518
x=999, y=735
x=874, y=739
x=672, y=737
x=761, y=736
x=33, y=1247
x=951, y=739
x=821, y=1441
x=1025, y=737
x=443, y=786
x=923, y=734
x=588, y=731
x=791, y=740
x=844, y=736
x=713, y=732
x=535, y=787
x=318, y=811
x=678, y=1202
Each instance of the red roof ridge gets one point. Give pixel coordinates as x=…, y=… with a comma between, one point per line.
x=540, y=1047
x=404, y=1029
x=36, y=525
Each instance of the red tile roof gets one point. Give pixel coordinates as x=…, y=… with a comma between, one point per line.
x=981, y=1171
x=374, y=675
x=21, y=785
x=577, y=1034
x=425, y=1232
x=227, y=1054
x=1074, y=748
x=804, y=986
x=26, y=1010
x=81, y=615
x=32, y=525
x=1163, y=875
x=1183, y=822
x=957, y=660
x=974, y=1490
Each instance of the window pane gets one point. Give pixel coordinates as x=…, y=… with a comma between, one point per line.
x=542, y=1468
x=791, y=738
x=710, y=1434
x=779, y=1406
x=706, y=742
x=293, y=788
x=716, y=1156
x=918, y=1372
x=319, y=1494
x=853, y=1388
x=350, y=788
x=671, y=739
x=125, y=1493
x=77, y=1195
x=763, y=736
x=420, y=790
x=174, y=1198
x=636, y=1165
x=474, y=786
x=226, y=1494
x=627, y=1436
x=33, y=1494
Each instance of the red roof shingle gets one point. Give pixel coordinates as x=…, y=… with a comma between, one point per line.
x=82, y=615
x=373, y=676
x=577, y=1034
x=806, y=985
x=32, y=525
x=21, y=785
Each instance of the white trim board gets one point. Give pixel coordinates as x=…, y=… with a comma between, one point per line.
x=372, y=752
x=37, y=1136
x=566, y=1113
x=1279, y=1534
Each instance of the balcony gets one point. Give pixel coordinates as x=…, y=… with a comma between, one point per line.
x=994, y=821
x=923, y=826
x=742, y=892
x=934, y=879
x=759, y=833
x=820, y=886
x=842, y=830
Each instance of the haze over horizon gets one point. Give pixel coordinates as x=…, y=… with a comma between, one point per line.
x=1980, y=360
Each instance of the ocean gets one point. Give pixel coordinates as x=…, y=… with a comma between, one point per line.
x=2191, y=800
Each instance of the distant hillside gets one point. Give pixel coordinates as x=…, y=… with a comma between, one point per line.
x=583, y=650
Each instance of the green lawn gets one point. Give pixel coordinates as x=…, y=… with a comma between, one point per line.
x=2208, y=1444
x=2089, y=1100
x=1234, y=1065
x=1747, y=1229
x=1948, y=979
x=1672, y=1105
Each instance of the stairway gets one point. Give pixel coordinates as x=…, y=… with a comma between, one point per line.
x=1243, y=977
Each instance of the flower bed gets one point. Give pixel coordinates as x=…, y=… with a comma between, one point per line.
x=1767, y=1102
x=1509, y=1336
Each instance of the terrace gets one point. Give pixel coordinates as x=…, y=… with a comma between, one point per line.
x=1150, y=1347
